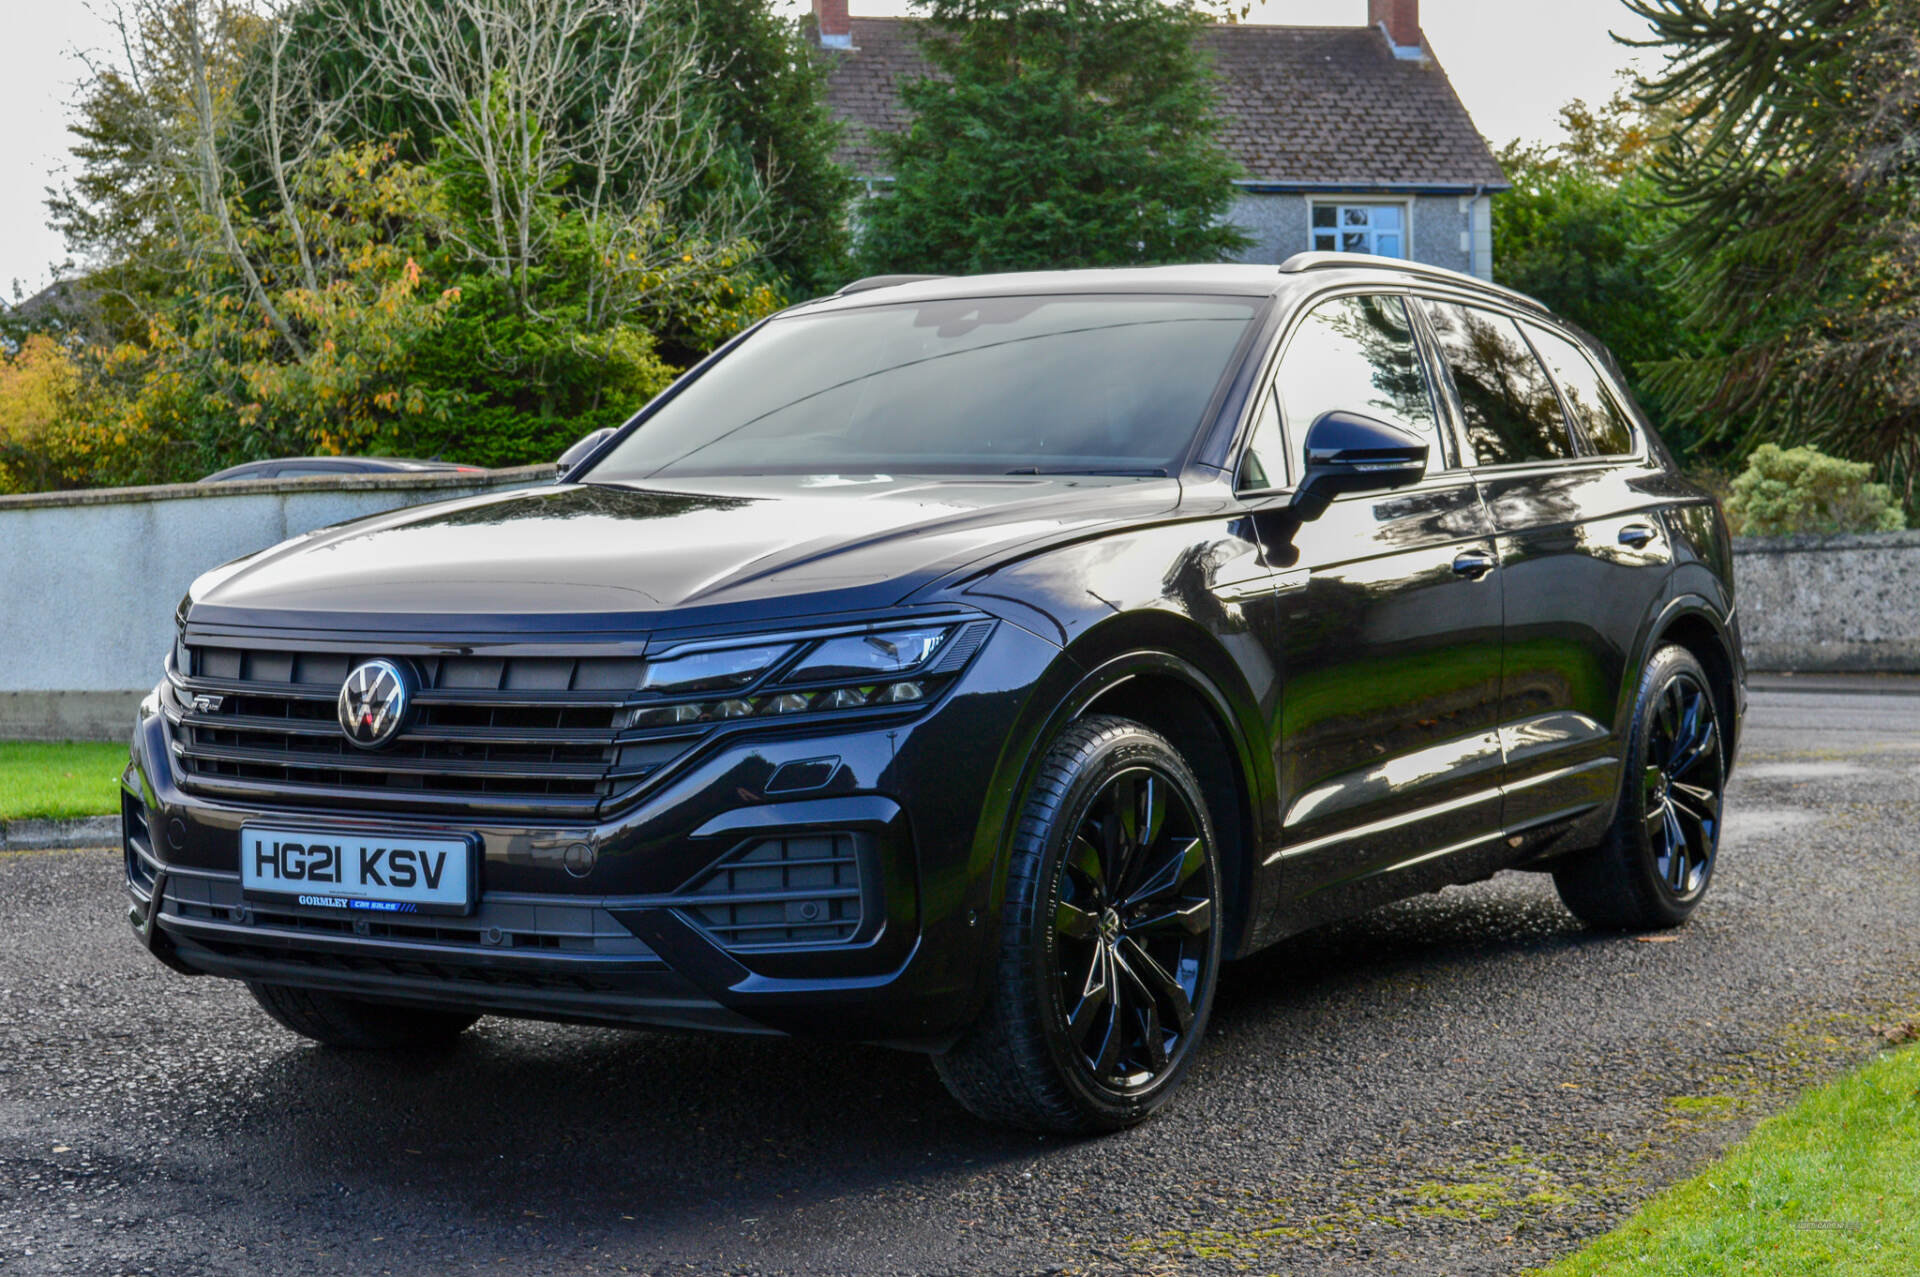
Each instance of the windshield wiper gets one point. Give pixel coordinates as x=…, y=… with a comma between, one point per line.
x=1117, y=474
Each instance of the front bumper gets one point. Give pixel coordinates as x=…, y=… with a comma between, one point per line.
x=911, y=814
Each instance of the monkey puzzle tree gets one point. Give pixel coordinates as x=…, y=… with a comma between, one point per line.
x=1796, y=244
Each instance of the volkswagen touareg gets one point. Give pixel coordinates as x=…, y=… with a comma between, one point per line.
x=970, y=665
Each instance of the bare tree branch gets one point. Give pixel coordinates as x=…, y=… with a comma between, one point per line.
x=592, y=98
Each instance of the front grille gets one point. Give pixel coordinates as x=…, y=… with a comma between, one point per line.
x=541, y=733
x=511, y=734
x=780, y=892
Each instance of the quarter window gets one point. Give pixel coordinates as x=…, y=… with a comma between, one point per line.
x=1265, y=465
x=1597, y=414
x=1380, y=229
x=1512, y=413
x=1357, y=354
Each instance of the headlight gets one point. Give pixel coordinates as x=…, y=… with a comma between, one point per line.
x=723, y=671
x=863, y=656
x=882, y=668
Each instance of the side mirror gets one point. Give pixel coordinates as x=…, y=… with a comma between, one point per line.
x=578, y=452
x=1348, y=452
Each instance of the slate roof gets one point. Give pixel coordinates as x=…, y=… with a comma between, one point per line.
x=1322, y=107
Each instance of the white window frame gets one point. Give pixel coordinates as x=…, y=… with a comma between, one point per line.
x=1340, y=207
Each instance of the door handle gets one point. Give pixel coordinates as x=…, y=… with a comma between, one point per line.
x=1473, y=564
x=1637, y=535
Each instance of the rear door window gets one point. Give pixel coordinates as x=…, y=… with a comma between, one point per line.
x=1511, y=410
x=1597, y=414
x=1357, y=354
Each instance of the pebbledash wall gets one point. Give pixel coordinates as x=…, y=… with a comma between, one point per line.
x=1843, y=604
x=89, y=580
x=1454, y=231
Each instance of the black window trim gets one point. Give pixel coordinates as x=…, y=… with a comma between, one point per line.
x=1582, y=459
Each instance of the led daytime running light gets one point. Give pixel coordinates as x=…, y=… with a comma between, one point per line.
x=774, y=705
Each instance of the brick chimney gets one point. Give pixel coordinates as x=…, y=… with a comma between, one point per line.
x=831, y=20
x=1399, y=19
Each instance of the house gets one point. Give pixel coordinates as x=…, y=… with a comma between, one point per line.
x=1352, y=138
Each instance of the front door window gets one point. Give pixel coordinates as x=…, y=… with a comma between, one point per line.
x=1357, y=354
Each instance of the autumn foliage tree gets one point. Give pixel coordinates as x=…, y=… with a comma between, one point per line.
x=466, y=227
x=1581, y=230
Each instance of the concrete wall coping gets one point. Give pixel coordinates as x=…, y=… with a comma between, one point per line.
x=417, y=482
x=1907, y=540
x=91, y=579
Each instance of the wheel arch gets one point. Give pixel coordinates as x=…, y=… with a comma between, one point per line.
x=1692, y=621
x=1169, y=674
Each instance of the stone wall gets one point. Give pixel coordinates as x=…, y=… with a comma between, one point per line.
x=1848, y=604
x=89, y=580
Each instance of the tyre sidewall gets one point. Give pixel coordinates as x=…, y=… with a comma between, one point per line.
x=1631, y=827
x=1129, y=747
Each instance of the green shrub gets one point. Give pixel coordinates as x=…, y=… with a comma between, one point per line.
x=1791, y=491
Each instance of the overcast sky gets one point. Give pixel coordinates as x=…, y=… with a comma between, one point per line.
x=1515, y=62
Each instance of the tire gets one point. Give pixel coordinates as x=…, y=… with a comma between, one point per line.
x=1108, y=957
x=1670, y=798
x=357, y=1025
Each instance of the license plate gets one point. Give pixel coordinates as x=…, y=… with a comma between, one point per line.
x=377, y=872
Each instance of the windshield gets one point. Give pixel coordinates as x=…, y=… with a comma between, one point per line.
x=1101, y=384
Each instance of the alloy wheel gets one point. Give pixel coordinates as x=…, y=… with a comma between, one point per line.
x=1132, y=923
x=1683, y=786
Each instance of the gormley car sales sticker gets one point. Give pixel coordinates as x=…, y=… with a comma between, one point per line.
x=382, y=872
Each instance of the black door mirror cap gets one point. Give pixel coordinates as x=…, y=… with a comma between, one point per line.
x=1352, y=452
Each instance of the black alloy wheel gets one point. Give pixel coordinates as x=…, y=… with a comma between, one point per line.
x=1110, y=940
x=1132, y=922
x=1682, y=786
x=1658, y=856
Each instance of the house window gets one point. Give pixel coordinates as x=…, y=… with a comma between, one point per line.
x=1380, y=229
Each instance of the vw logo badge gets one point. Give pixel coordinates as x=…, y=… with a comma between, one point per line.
x=374, y=701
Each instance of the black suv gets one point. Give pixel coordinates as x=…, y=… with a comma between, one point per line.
x=971, y=665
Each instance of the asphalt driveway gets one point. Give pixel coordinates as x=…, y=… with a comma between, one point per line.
x=1468, y=1083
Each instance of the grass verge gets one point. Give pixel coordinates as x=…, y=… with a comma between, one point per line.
x=59, y=780
x=1830, y=1186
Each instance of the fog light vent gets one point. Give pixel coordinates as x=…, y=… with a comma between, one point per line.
x=781, y=892
x=137, y=842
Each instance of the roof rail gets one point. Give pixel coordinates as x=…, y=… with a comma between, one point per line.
x=882, y=281
x=1300, y=263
